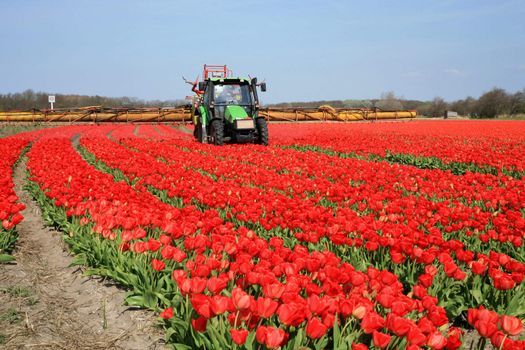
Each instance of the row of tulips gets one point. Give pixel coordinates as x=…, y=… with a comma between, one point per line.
x=261, y=291
x=493, y=258
x=484, y=144
x=481, y=190
x=150, y=169
x=11, y=149
x=331, y=178
x=319, y=174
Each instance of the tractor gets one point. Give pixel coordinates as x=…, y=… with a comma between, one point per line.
x=226, y=108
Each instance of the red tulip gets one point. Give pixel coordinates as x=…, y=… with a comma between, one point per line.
x=158, y=265
x=381, y=340
x=511, y=325
x=215, y=285
x=266, y=307
x=167, y=313
x=240, y=299
x=436, y=340
x=274, y=290
x=426, y=280
x=7, y=224
x=275, y=337
x=153, y=245
x=179, y=255
x=199, y=324
x=356, y=346
x=504, y=282
x=438, y=316
x=359, y=312
x=478, y=267
x=202, y=305
x=315, y=329
x=498, y=338
x=486, y=328
x=291, y=314
x=220, y=304
x=198, y=285
x=372, y=322
x=260, y=334
x=454, y=338
x=239, y=336
x=415, y=336
x=398, y=325
x=472, y=316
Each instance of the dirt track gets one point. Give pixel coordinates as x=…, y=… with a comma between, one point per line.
x=45, y=304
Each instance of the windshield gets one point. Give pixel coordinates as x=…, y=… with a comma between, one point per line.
x=232, y=94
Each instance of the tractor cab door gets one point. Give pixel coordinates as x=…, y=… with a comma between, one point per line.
x=208, y=94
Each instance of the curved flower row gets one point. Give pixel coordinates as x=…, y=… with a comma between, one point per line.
x=498, y=144
x=10, y=208
x=158, y=174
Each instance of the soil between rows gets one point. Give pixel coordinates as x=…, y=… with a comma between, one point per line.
x=46, y=304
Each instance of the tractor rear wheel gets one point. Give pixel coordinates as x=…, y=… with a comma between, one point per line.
x=262, y=131
x=217, y=132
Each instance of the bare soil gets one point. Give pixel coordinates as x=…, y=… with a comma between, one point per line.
x=46, y=304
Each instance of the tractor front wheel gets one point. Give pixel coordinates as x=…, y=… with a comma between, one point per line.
x=262, y=131
x=217, y=132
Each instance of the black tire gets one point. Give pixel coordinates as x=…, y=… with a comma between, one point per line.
x=262, y=131
x=217, y=132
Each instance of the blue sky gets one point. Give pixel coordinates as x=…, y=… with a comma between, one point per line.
x=306, y=50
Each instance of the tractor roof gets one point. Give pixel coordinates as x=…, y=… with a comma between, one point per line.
x=229, y=80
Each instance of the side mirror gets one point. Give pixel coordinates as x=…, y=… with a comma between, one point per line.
x=202, y=85
x=263, y=87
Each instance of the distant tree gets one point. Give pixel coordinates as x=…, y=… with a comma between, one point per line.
x=29, y=99
x=493, y=103
x=517, y=103
x=438, y=107
x=357, y=104
x=389, y=101
x=412, y=104
x=425, y=109
x=464, y=107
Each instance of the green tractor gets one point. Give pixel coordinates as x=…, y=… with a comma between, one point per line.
x=226, y=108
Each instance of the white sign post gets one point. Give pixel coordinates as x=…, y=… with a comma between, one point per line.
x=51, y=99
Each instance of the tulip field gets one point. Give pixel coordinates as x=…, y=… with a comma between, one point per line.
x=400, y=235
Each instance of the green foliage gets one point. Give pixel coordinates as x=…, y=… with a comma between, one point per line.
x=10, y=315
x=5, y=258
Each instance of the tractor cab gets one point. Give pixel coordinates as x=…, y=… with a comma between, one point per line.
x=227, y=109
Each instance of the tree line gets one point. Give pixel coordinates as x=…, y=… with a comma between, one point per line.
x=496, y=102
x=29, y=99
